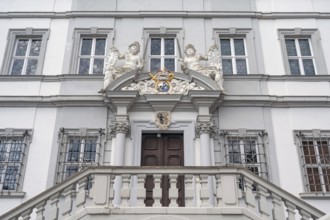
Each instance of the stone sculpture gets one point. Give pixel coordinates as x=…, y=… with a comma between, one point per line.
x=214, y=68
x=132, y=62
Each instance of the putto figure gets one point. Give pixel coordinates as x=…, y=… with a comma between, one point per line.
x=132, y=62
x=214, y=68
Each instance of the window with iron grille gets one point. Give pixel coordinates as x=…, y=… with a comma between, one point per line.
x=314, y=151
x=246, y=148
x=79, y=149
x=13, y=153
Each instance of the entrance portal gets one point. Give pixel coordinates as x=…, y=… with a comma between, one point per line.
x=163, y=150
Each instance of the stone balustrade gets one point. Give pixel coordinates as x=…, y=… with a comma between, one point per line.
x=109, y=192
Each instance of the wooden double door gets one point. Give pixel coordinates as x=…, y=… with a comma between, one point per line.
x=163, y=150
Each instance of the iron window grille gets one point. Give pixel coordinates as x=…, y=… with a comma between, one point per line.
x=314, y=151
x=79, y=149
x=246, y=149
x=13, y=152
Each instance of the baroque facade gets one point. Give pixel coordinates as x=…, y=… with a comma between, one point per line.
x=176, y=109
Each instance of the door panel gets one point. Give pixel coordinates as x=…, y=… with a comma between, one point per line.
x=166, y=150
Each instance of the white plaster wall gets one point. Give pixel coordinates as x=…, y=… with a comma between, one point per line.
x=235, y=118
x=17, y=117
x=293, y=6
x=282, y=88
x=56, y=46
x=34, y=5
x=271, y=48
x=39, y=154
x=323, y=26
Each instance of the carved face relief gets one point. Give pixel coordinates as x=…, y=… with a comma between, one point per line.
x=163, y=120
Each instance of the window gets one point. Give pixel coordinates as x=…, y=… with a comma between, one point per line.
x=162, y=54
x=78, y=150
x=300, y=57
x=302, y=51
x=90, y=47
x=162, y=48
x=246, y=148
x=91, y=55
x=240, y=50
x=234, y=55
x=13, y=152
x=315, y=158
x=27, y=48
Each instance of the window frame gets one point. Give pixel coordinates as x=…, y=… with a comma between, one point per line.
x=25, y=136
x=313, y=136
x=28, y=33
x=82, y=134
x=93, y=32
x=163, y=32
x=233, y=57
x=315, y=46
x=250, y=47
x=242, y=135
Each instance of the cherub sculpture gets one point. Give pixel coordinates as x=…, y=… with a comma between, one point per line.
x=132, y=62
x=214, y=68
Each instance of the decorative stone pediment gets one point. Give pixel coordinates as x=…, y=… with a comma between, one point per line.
x=179, y=83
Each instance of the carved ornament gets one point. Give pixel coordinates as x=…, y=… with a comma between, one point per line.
x=163, y=120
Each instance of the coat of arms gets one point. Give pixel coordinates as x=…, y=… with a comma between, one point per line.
x=163, y=120
x=163, y=81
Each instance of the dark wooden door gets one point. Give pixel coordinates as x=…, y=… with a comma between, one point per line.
x=163, y=150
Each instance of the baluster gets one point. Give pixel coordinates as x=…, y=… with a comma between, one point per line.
x=81, y=196
x=53, y=211
x=189, y=190
x=67, y=204
x=263, y=205
x=249, y=196
x=26, y=214
x=40, y=210
x=304, y=215
x=140, y=190
x=278, y=210
x=125, y=190
x=111, y=189
x=204, y=191
x=157, y=192
x=291, y=210
x=173, y=191
x=218, y=190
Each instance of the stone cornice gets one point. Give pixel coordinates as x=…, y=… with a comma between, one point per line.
x=52, y=101
x=50, y=78
x=75, y=77
x=183, y=105
x=181, y=14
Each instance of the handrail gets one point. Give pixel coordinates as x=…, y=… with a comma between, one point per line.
x=115, y=170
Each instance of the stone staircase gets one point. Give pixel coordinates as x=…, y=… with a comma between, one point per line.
x=106, y=192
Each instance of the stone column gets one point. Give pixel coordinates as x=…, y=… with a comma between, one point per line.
x=204, y=129
x=120, y=128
